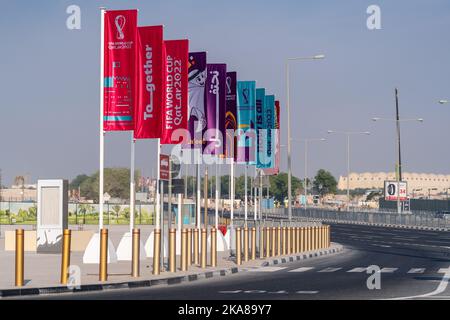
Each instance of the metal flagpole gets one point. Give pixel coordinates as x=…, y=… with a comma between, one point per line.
x=198, y=196
x=245, y=196
x=162, y=224
x=180, y=213
x=232, y=192
x=255, y=197
x=158, y=196
x=102, y=133
x=217, y=198
x=132, y=183
x=260, y=194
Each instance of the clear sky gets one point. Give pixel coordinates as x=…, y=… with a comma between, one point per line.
x=50, y=77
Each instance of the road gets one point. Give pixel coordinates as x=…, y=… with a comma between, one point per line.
x=413, y=266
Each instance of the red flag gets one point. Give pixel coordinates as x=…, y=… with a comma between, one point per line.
x=150, y=84
x=119, y=71
x=175, y=112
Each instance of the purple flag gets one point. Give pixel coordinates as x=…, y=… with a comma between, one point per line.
x=231, y=115
x=215, y=108
x=197, y=98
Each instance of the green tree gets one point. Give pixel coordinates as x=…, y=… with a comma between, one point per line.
x=116, y=184
x=324, y=182
x=32, y=212
x=77, y=181
x=116, y=210
x=279, y=186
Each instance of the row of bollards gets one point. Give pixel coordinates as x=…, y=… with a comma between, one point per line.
x=273, y=241
x=191, y=241
x=280, y=241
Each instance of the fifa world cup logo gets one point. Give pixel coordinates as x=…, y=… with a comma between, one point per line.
x=120, y=24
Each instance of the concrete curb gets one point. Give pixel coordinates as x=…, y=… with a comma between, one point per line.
x=335, y=248
x=120, y=285
x=399, y=226
x=166, y=281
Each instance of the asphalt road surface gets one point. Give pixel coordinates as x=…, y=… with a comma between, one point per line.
x=413, y=264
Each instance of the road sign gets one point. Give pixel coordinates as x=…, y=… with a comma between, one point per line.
x=177, y=186
x=176, y=167
x=393, y=188
x=164, y=167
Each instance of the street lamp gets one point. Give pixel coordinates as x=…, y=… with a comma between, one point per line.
x=316, y=57
x=414, y=192
x=306, y=141
x=429, y=192
x=399, y=175
x=348, y=134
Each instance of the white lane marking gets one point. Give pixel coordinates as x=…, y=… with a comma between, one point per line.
x=441, y=287
x=358, y=270
x=330, y=269
x=417, y=270
x=307, y=292
x=232, y=292
x=267, y=269
x=388, y=270
x=302, y=269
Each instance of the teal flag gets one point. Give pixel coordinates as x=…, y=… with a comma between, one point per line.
x=246, y=112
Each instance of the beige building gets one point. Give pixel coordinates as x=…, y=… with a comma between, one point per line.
x=418, y=183
x=17, y=194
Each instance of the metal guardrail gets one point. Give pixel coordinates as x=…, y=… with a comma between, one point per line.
x=422, y=219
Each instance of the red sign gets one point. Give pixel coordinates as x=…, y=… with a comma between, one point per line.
x=119, y=59
x=175, y=113
x=150, y=85
x=164, y=167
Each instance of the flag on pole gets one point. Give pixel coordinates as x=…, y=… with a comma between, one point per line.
x=175, y=112
x=269, y=125
x=215, y=108
x=197, y=98
x=150, y=83
x=259, y=126
x=246, y=145
x=119, y=69
x=231, y=115
x=276, y=169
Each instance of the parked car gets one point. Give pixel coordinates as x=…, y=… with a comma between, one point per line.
x=443, y=214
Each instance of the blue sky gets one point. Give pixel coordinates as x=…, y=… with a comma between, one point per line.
x=50, y=75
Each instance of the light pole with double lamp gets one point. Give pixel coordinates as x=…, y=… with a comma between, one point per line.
x=316, y=57
x=306, y=142
x=397, y=120
x=348, y=134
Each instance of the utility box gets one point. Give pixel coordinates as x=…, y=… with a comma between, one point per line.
x=52, y=215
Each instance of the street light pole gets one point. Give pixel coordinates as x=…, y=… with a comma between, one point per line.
x=316, y=57
x=399, y=163
x=306, y=141
x=348, y=133
x=348, y=172
x=399, y=157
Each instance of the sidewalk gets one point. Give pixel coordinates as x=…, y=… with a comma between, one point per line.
x=42, y=271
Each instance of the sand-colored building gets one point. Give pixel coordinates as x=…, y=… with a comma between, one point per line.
x=418, y=183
